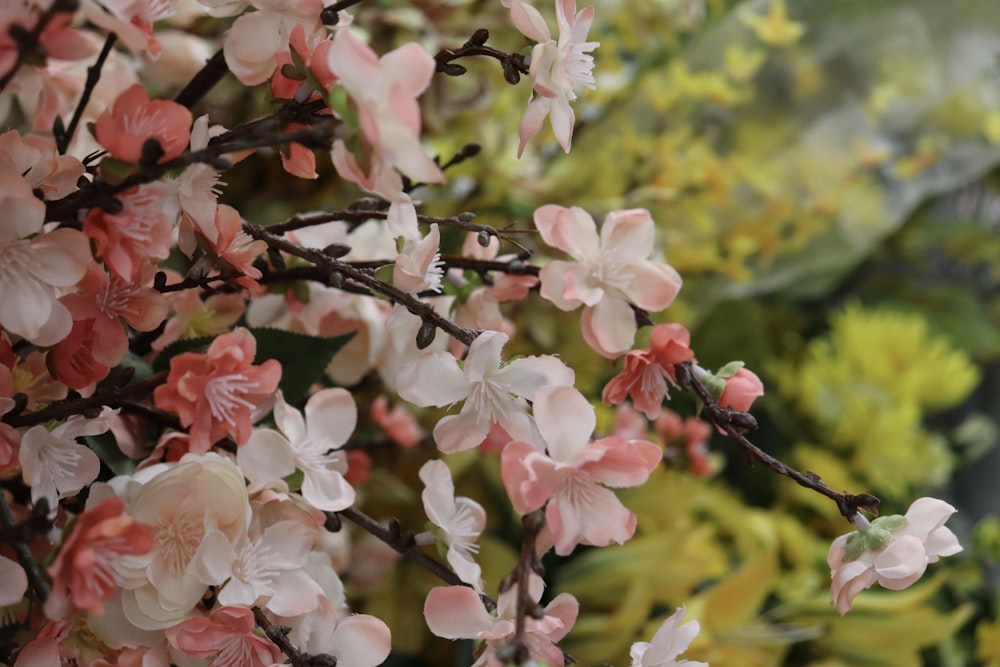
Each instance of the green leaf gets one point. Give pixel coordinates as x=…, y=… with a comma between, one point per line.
x=162, y=362
x=303, y=358
x=106, y=448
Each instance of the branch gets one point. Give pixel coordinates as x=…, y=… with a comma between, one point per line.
x=364, y=278
x=404, y=544
x=65, y=135
x=514, y=64
x=24, y=556
x=113, y=397
x=278, y=634
x=202, y=82
x=735, y=423
x=329, y=14
x=519, y=651
x=29, y=42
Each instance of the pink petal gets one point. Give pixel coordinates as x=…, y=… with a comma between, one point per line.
x=554, y=285
x=565, y=419
x=925, y=516
x=361, y=641
x=327, y=490
x=433, y=379
x=609, y=327
x=629, y=234
x=625, y=463
x=456, y=433
x=572, y=230
x=484, y=355
x=529, y=21
x=331, y=416
x=266, y=456
x=456, y=612
x=654, y=285
x=901, y=564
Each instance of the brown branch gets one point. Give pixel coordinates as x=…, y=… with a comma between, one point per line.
x=735, y=423
x=202, y=82
x=278, y=634
x=514, y=64
x=113, y=397
x=64, y=136
x=517, y=650
x=404, y=544
x=365, y=278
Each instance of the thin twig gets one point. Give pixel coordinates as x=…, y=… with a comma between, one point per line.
x=278, y=634
x=734, y=423
x=202, y=82
x=65, y=136
x=528, y=564
x=24, y=556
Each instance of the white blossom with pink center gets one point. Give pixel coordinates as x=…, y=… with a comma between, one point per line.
x=418, y=264
x=457, y=612
x=557, y=67
x=54, y=464
x=569, y=480
x=892, y=550
x=35, y=266
x=309, y=444
x=183, y=503
x=670, y=641
x=493, y=391
x=461, y=521
x=610, y=272
x=267, y=569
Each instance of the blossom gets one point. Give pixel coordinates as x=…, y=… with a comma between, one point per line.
x=181, y=503
x=37, y=160
x=646, y=372
x=567, y=479
x=398, y=423
x=610, y=273
x=309, y=444
x=134, y=119
x=418, y=264
x=141, y=232
x=257, y=40
x=227, y=636
x=556, y=67
x=270, y=566
x=742, y=388
x=461, y=520
x=84, y=571
x=690, y=433
x=54, y=464
x=456, y=612
x=215, y=393
x=32, y=269
x=892, y=550
x=234, y=248
x=13, y=582
x=670, y=641
x=492, y=390
x=385, y=91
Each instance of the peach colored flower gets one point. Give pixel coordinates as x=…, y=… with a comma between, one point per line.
x=227, y=637
x=83, y=574
x=215, y=393
x=38, y=162
x=13, y=582
x=142, y=232
x=235, y=249
x=670, y=640
x=691, y=434
x=892, y=550
x=460, y=521
x=670, y=344
x=74, y=360
x=609, y=275
x=193, y=317
x=134, y=119
x=741, y=390
x=418, y=264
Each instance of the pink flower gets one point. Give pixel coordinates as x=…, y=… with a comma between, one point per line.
x=460, y=520
x=892, y=550
x=215, y=393
x=670, y=641
x=642, y=378
x=311, y=444
x=134, y=119
x=418, y=264
x=234, y=248
x=671, y=345
x=13, y=582
x=73, y=358
x=34, y=265
x=567, y=480
x=741, y=390
x=690, y=434
x=227, y=636
x=140, y=233
x=456, y=612
x=257, y=40
x=610, y=273
x=493, y=391
x=398, y=423
x=556, y=67
x=385, y=91
x=83, y=574
x=37, y=160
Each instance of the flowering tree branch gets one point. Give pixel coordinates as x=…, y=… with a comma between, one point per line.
x=736, y=423
x=202, y=82
x=514, y=64
x=528, y=564
x=278, y=634
x=64, y=136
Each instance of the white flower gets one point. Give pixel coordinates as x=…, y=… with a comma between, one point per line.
x=461, y=520
x=670, y=641
x=55, y=465
x=492, y=390
x=271, y=567
x=311, y=445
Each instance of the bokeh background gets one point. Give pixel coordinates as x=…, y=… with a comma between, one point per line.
x=824, y=176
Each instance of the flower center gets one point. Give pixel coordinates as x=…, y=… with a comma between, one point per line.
x=225, y=396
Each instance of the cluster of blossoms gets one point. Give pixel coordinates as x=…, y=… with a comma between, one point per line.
x=223, y=526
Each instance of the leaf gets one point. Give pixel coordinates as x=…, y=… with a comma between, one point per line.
x=106, y=448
